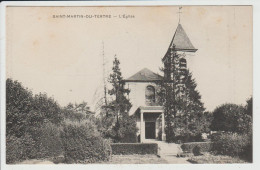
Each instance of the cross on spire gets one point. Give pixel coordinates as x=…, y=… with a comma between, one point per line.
x=179, y=13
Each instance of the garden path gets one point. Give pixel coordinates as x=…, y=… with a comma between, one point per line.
x=169, y=151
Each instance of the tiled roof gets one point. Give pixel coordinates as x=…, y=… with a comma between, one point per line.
x=182, y=41
x=145, y=75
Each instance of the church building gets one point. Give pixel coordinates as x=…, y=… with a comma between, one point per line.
x=143, y=87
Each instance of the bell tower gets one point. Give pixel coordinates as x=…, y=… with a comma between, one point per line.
x=175, y=55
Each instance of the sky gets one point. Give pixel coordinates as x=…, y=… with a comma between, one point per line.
x=63, y=56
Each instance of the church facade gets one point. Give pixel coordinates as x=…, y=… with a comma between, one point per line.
x=143, y=95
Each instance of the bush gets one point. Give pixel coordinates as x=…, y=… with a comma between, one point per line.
x=13, y=149
x=204, y=146
x=231, y=144
x=134, y=148
x=18, y=149
x=122, y=132
x=83, y=144
x=49, y=142
x=196, y=151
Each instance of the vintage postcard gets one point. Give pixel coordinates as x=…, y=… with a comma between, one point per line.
x=139, y=84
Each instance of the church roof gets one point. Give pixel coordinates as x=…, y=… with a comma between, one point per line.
x=182, y=41
x=145, y=75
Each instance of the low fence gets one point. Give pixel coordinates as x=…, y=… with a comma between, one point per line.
x=134, y=148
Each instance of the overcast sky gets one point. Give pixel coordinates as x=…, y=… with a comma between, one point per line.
x=63, y=56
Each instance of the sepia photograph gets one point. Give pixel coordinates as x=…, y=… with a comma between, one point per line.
x=169, y=84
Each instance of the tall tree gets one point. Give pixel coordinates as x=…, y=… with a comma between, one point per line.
x=182, y=102
x=123, y=127
x=120, y=104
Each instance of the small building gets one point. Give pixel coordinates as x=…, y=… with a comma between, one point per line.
x=144, y=86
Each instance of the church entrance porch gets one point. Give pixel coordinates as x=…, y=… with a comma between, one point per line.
x=150, y=121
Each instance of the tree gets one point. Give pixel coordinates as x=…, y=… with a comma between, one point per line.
x=120, y=103
x=182, y=102
x=231, y=118
x=18, y=105
x=78, y=112
x=123, y=125
x=249, y=107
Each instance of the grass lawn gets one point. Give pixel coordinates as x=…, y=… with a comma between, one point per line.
x=135, y=159
x=116, y=159
x=208, y=158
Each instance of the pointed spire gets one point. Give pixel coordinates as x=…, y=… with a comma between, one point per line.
x=181, y=41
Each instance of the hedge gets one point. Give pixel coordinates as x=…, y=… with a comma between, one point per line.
x=134, y=148
x=233, y=144
x=204, y=146
x=83, y=144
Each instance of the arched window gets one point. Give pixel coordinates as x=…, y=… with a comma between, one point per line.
x=150, y=95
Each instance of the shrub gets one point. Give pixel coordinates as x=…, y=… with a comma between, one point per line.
x=134, y=148
x=127, y=130
x=123, y=131
x=82, y=143
x=196, y=151
x=18, y=149
x=204, y=146
x=13, y=149
x=231, y=144
x=49, y=142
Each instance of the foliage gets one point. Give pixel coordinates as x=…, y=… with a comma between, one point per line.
x=25, y=111
x=105, y=125
x=83, y=144
x=134, y=148
x=13, y=149
x=196, y=151
x=127, y=130
x=114, y=121
x=232, y=144
x=48, y=141
x=78, y=112
x=182, y=102
x=122, y=130
x=18, y=105
x=37, y=127
x=120, y=104
x=18, y=149
x=48, y=108
x=249, y=107
x=27, y=129
x=231, y=118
